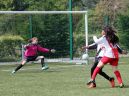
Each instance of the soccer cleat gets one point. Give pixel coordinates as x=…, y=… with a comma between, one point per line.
x=45, y=68
x=13, y=71
x=89, y=82
x=112, y=82
x=121, y=85
x=92, y=84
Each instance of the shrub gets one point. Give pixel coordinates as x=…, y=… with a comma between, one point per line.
x=10, y=46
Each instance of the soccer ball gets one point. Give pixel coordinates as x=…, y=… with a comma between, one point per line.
x=85, y=57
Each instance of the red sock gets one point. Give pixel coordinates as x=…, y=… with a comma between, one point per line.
x=96, y=71
x=118, y=76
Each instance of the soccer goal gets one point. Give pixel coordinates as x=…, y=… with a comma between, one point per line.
x=54, y=29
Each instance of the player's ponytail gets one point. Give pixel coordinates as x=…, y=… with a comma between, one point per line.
x=30, y=40
x=110, y=35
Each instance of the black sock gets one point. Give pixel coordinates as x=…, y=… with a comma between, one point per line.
x=18, y=67
x=104, y=75
x=42, y=62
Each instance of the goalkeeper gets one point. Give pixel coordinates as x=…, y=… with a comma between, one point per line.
x=31, y=54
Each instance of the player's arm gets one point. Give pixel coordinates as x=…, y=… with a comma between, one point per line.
x=45, y=50
x=27, y=46
x=120, y=50
x=98, y=41
x=93, y=46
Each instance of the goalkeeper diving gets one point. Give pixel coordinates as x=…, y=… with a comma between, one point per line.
x=31, y=54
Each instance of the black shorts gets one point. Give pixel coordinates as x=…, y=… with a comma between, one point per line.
x=97, y=59
x=31, y=58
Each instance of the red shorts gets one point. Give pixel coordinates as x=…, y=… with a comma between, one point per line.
x=111, y=61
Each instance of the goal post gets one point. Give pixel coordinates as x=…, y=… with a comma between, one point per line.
x=43, y=12
x=56, y=12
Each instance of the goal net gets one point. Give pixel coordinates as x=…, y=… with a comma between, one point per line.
x=65, y=31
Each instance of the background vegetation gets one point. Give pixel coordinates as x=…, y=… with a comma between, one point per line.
x=53, y=30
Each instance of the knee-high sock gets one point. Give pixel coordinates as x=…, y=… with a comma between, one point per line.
x=18, y=67
x=118, y=76
x=42, y=62
x=93, y=68
x=96, y=71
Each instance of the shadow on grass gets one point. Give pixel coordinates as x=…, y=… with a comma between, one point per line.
x=39, y=71
x=99, y=88
x=125, y=86
x=52, y=70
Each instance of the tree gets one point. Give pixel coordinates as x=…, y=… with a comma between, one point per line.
x=111, y=9
x=117, y=12
x=52, y=30
x=123, y=28
x=5, y=4
x=19, y=5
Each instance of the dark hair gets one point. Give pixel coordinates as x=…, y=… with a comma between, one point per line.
x=29, y=41
x=110, y=35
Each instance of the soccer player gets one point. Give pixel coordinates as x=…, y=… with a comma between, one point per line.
x=31, y=54
x=100, y=53
x=109, y=41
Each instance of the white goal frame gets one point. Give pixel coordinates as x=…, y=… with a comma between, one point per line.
x=56, y=12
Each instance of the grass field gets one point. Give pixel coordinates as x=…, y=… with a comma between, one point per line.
x=60, y=80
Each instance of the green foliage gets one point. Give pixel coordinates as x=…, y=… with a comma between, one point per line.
x=19, y=5
x=94, y=28
x=123, y=30
x=110, y=9
x=5, y=4
x=15, y=25
x=53, y=30
x=10, y=46
x=41, y=5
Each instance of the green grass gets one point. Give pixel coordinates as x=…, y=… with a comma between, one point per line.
x=59, y=80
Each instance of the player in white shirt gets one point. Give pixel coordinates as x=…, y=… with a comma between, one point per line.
x=100, y=53
x=109, y=40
